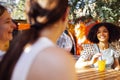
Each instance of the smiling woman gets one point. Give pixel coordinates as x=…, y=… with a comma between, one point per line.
x=6, y=29
x=101, y=35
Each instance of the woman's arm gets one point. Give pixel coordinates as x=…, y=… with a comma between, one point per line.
x=116, y=55
x=82, y=63
x=88, y=56
x=116, y=64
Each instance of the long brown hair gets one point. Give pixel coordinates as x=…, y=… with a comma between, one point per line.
x=31, y=35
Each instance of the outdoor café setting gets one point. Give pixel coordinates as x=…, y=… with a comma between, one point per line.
x=59, y=39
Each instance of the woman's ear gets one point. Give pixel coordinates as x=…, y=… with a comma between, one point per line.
x=65, y=16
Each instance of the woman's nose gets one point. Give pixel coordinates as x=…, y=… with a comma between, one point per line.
x=102, y=33
x=13, y=25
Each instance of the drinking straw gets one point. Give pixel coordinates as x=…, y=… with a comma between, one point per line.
x=99, y=52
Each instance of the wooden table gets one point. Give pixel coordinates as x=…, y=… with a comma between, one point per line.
x=93, y=74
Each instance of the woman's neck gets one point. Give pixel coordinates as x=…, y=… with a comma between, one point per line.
x=4, y=45
x=53, y=32
x=103, y=45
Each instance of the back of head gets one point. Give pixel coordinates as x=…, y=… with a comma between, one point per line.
x=40, y=14
x=45, y=12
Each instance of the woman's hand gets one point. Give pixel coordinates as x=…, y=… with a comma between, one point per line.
x=116, y=64
x=95, y=58
x=117, y=68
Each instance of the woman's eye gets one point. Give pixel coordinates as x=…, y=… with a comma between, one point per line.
x=9, y=21
x=105, y=31
x=98, y=32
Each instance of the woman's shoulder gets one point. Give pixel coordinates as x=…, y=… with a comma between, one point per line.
x=89, y=46
x=54, y=51
x=53, y=60
x=115, y=51
x=111, y=46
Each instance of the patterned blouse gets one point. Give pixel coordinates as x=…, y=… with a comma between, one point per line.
x=90, y=49
x=65, y=42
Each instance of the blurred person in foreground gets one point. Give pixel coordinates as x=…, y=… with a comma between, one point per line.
x=6, y=29
x=101, y=35
x=34, y=55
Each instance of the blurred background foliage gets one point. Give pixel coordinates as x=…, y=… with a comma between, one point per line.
x=101, y=10
x=19, y=11
x=16, y=8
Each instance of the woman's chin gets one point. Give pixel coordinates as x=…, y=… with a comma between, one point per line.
x=9, y=38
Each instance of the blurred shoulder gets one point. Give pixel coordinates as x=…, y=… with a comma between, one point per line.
x=51, y=62
x=58, y=53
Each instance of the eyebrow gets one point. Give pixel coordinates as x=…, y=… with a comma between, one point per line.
x=8, y=19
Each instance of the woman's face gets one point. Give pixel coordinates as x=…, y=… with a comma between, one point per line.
x=6, y=27
x=103, y=34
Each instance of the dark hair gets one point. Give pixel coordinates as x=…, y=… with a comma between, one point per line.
x=113, y=30
x=31, y=35
x=2, y=10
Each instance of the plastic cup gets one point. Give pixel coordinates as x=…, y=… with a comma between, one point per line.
x=101, y=65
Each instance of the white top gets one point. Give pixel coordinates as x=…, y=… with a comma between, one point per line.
x=108, y=54
x=27, y=58
x=1, y=54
